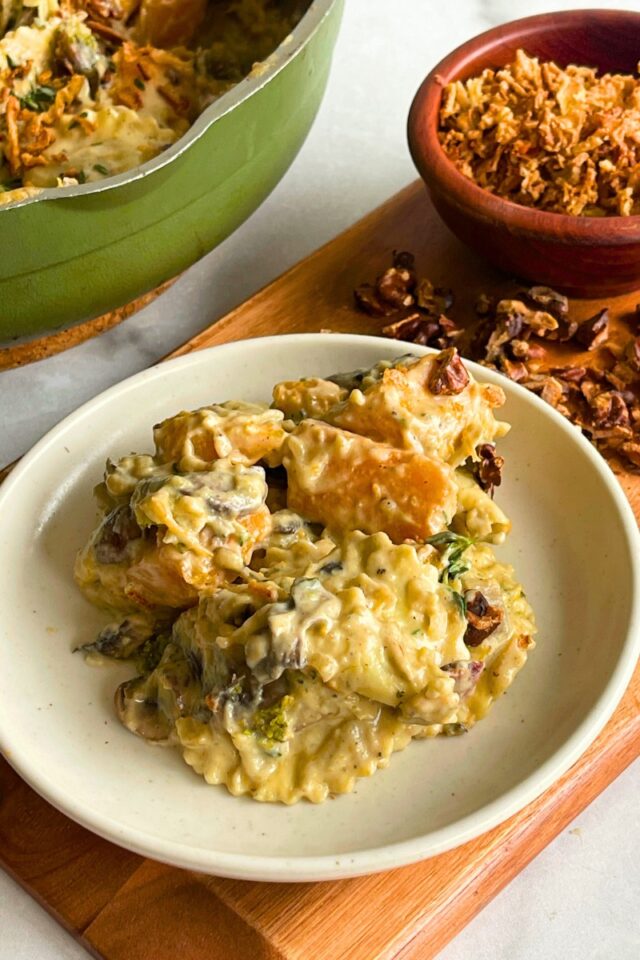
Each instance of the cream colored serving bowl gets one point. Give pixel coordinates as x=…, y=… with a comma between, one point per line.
x=575, y=545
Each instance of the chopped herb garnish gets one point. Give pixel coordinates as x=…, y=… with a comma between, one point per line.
x=100, y=168
x=139, y=83
x=460, y=602
x=38, y=99
x=456, y=568
x=81, y=176
x=447, y=538
x=452, y=547
x=11, y=63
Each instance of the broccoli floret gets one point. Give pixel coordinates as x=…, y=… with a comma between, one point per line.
x=271, y=725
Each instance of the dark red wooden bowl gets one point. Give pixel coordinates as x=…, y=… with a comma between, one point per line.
x=583, y=256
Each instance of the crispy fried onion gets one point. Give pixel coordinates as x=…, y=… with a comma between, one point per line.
x=29, y=133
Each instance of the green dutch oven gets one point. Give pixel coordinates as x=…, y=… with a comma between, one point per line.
x=67, y=255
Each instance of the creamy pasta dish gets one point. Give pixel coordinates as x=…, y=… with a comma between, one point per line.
x=90, y=88
x=307, y=586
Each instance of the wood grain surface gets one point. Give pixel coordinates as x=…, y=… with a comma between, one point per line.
x=122, y=907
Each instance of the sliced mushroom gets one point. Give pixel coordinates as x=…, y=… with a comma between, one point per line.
x=140, y=713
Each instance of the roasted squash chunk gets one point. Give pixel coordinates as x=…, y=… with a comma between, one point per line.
x=349, y=482
x=400, y=408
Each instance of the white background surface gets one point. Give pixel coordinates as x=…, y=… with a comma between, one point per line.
x=580, y=899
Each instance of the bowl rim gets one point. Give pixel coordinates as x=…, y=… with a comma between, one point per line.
x=441, y=174
x=287, y=50
x=247, y=866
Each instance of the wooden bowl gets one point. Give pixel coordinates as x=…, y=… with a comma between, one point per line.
x=582, y=256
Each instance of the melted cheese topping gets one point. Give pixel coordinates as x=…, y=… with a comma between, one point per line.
x=323, y=636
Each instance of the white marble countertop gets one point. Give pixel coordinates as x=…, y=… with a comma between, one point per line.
x=579, y=899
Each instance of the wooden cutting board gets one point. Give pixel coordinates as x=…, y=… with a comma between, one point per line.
x=122, y=907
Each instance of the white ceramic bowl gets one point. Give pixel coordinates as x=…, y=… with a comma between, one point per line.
x=575, y=546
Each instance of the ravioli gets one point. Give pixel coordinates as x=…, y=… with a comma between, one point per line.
x=288, y=649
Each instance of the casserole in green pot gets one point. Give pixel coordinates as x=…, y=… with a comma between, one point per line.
x=69, y=254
